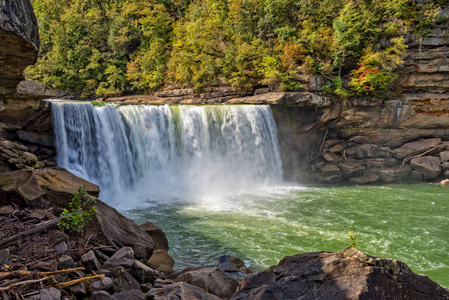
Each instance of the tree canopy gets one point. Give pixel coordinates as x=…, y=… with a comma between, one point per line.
x=115, y=47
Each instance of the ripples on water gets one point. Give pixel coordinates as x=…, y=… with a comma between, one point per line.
x=404, y=222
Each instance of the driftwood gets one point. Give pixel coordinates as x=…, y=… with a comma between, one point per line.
x=42, y=227
x=79, y=280
x=24, y=283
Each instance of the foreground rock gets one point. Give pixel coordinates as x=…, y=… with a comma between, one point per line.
x=348, y=274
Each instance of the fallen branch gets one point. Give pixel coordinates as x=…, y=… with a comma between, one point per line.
x=319, y=152
x=79, y=280
x=6, y=275
x=42, y=227
x=416, y=156
x=14, y=281
x=24, y=283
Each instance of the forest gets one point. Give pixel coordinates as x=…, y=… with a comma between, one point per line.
x=105, y=48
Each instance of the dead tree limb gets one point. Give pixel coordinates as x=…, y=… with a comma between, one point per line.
x=416, y=156
x=39, y=228
x=79, y=280
x=24, y=283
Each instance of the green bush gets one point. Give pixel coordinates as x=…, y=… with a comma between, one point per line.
x=79, y=215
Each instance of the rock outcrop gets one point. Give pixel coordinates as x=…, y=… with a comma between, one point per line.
x=20, y=42
x=348, y=274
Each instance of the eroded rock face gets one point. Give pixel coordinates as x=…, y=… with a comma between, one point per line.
x=348, y=274
x=20, y=41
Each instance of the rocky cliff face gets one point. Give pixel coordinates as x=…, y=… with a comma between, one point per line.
x=20, y=42
x=25, y=121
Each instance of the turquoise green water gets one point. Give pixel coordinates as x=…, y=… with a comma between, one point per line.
x=405, y=222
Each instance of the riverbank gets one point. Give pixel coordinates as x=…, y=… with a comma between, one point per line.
x=122, y=260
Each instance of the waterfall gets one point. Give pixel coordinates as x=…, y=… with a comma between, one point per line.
x=169, y=148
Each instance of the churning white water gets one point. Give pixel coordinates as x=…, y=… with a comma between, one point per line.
x=184, y=150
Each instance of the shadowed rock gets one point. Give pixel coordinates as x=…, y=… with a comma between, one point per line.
x=348, y=274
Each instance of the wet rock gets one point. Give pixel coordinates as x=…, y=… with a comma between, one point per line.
x=180, y=290
x=348, y=274
x=392, y=174
x=65, y=262
x=229, y=263
x=124, y=257
x=212, y=280
x=428, y=166
x=50, y=294
x=143, y=273
x=100, y=285
x=413, y=148
x=161, y=261
x=123, y=281
x=415, y=176
x=158, y=236
x=351, y=169
x=100, y=295
x=330, y=173
x=20, y=187
x=90, y=261
x=130, y=294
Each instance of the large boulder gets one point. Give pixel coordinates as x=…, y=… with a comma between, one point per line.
x=20, y=42
x=392, y=174
x=20, y=187
x=413, y=148
x=212, y=280
x=351, y=169
x=109, y=227
x=348, y=274
x=428, y=166
x=158, y=236
x=60, y=185
x=161, y=261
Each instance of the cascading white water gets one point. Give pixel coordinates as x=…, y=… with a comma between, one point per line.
x=168, y=149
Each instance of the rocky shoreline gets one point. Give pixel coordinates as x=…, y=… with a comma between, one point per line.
x=113, y=258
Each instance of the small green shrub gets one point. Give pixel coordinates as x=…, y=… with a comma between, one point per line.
x=353, y=239
x=78, y=216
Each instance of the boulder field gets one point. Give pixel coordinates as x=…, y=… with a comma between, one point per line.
x=114, y=258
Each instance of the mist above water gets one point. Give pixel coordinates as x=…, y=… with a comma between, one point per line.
x=175, y=151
